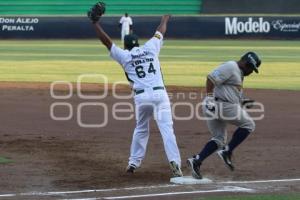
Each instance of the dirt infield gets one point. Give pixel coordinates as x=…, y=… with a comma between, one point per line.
x=51, y=155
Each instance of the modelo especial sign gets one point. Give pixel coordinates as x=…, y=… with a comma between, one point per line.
x=261, y=25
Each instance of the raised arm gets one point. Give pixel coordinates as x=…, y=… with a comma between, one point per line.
x=162, y=28
x=94, y=15
x=103, y=37
x=209, y=87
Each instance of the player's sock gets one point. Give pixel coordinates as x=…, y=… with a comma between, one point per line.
x=238, y=137
x=209, y=148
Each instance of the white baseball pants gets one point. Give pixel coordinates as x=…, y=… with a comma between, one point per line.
x=156, y=103
x=123, y=33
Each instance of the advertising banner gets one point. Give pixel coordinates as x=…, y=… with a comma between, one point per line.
x=198, y=27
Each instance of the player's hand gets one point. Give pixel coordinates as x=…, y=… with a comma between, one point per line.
x=96, y=12
x=210, y=103
x=248, y=103
x=166, y=17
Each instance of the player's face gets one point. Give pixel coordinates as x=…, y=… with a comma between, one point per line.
x=126, y=47
x=248, y=70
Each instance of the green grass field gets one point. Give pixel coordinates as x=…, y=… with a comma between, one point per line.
x=184, y=62
x=4, y=160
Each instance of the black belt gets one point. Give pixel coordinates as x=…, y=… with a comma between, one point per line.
x=219, y=99
x=154, y=88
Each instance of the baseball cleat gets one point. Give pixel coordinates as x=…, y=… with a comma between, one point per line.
x=194, y=167
x=226, y=157
x=130, y=168
x=176, y=171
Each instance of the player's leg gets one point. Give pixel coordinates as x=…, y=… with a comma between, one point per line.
x=122, y=35
x=124, y=32
x=245, y=125
x=217, y=128
x=163, y=117
x=140, y=135
x=234, y=114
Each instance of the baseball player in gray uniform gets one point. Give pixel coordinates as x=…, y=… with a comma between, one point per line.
x=224, y=105
x=142, y=68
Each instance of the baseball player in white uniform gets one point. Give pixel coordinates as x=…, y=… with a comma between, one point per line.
x=125, y=25
x=224, y=105
x=142, y=69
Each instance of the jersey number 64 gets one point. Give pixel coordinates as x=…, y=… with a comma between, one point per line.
x=141, y=73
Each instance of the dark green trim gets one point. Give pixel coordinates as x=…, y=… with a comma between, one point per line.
x=139, y=91
x=154, y=88
x=159, y=88
x=130, y=80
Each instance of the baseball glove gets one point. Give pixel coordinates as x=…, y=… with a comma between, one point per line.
x=96, y=12
x=248, y=103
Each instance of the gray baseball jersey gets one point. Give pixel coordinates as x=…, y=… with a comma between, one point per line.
x=228, y=80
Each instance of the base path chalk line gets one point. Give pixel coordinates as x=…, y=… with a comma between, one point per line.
x=224, y=189
x=87, y=191
x=135, y=188
x=261, y=181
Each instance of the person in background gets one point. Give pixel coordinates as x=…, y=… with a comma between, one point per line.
x=125, y=25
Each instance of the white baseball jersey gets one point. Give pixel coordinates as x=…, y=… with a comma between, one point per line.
x=126, y=22
x=142, y=68
x=141, y=64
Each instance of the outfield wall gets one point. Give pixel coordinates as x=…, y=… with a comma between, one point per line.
x=198, y=27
